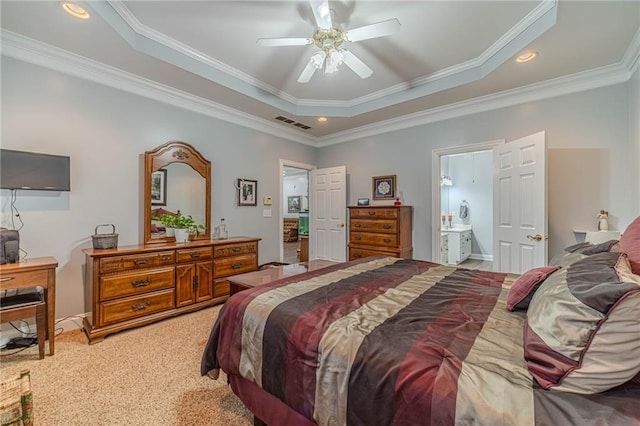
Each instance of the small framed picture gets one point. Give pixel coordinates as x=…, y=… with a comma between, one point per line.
x=293, y=204
x=363, y=201
x=247, y=192
x=159, y=188
x=384, y=187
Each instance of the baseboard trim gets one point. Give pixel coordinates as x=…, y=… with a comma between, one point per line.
x=478, y=256
x=69, y=323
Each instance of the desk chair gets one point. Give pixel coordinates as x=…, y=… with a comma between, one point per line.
x=27, y=303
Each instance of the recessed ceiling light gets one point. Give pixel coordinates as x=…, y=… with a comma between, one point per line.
x=526, y=57
x=75, y=10
x=323, y=119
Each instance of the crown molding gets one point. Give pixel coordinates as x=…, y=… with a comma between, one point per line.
x=35, y=52
x=587, y=80
x=151, y=42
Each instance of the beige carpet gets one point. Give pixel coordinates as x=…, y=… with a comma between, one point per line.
x=145, y=376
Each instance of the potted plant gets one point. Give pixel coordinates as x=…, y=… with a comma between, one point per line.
x=184, y=226
x=167, y=221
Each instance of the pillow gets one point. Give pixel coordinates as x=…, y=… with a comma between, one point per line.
x=526, y=285
x=583, y=325
x=630, y=244
x=579, y=251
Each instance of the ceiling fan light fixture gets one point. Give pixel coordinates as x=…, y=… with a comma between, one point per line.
x=318, y=59
x=334, y=58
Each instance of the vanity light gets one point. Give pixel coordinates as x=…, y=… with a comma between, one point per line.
x=323, y=119
x=75, y=10
x=526, y=57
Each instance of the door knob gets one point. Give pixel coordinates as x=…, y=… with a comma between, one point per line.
x=341, y=225
x=536, y=237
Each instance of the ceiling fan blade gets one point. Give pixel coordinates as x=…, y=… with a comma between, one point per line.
x=307, y=72
x=322, y=13
x=356, y=64
x=378, y=29
x=284, y=41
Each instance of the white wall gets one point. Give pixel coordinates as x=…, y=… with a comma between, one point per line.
x=588, y=157
x=634, y=130
x=106, y=132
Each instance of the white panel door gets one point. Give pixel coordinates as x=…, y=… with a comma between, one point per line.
x=520, y=205
x=328, y=214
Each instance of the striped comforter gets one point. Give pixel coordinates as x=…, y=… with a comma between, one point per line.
x=384, y=341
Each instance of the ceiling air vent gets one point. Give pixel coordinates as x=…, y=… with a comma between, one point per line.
x=292, y=122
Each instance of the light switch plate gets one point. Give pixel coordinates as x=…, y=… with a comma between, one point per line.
x=266, y=212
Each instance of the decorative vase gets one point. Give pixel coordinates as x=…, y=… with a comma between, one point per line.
x=182, y=235
x=170, y=232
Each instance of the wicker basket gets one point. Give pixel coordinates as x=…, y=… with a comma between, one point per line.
x=105, y=241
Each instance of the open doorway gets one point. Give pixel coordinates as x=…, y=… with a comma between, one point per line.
x=463, y=205
x=294, y=211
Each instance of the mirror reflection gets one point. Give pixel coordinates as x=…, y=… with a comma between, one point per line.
x=176, y=189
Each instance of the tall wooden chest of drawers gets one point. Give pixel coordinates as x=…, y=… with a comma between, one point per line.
x=380, y=231
x=137, y=285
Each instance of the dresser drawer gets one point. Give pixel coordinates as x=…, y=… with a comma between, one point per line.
x=236, y=249
x=24, y=279
x=136, y=283
x=383, y=226
x=136, y=261
x=359, y=253
x=369, y=239
x=137, y=306
x=221, y=288
x=377, y=213
x=234, y=265
x=189, y=255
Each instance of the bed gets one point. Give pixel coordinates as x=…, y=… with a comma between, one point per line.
x=382, y=341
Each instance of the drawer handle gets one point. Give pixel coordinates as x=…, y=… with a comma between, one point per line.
x=141, y=261
x=372, y=213
x=387, y=240
x=236, y=249
x=166, y=257
x=141, y=283
x=140, y=306
x=387, y=226
x=357, y=238
x=3, y=279
x=195, y=255
x=236, y=266
x=357, y=255
x=220, y=252
x=357, y=225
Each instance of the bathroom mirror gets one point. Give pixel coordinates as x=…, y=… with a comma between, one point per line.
x=177, y=180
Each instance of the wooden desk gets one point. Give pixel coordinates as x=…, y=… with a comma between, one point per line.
x=252, y=279
x=39, y=271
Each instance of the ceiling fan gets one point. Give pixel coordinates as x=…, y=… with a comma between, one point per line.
x=330, y=40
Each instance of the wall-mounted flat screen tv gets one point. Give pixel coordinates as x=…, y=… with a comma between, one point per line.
x=35, y=171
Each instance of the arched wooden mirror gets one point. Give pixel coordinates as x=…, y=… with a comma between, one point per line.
x=177, y=179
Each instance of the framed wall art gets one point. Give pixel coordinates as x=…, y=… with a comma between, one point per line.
x=247, y=192
x=384, y=187
x=293, y=204
x=159, y=188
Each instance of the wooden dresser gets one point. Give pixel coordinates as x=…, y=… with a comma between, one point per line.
x=137, y=285
x=380, y=231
